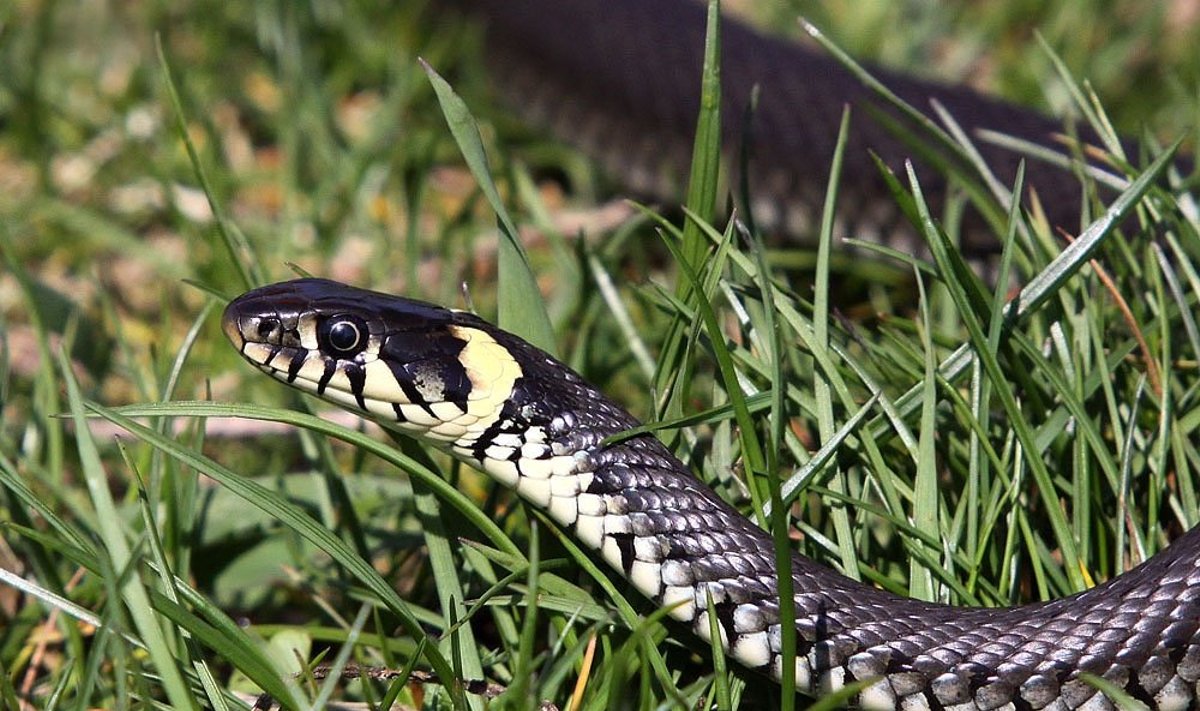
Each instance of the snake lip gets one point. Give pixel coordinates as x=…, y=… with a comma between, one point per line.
x=230, y=324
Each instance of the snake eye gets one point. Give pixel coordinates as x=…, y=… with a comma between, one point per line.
x=342, y=335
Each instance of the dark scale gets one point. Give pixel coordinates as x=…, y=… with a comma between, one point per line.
x=327, y=375
x=624, y=543
x=358, y=380
x=427, y=368
x=724, y=612
x=506, y=423
x=294, y=366
x=414, y=395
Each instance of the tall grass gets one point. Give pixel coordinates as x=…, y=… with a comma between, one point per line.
x=167, y=544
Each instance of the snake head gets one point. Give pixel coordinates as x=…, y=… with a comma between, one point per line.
x=442, y=375
x=429, y=370
x=437, y=373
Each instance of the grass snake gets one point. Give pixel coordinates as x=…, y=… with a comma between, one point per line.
x=529, y=421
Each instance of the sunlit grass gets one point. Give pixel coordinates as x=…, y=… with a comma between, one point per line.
x=196, y=555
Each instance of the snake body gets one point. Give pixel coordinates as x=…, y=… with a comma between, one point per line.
x=621, y=79
x=502, y=406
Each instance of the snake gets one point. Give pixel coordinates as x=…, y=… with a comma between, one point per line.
x=620, y=79
x=497, y=403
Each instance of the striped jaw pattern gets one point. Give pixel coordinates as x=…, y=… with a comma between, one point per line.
x=431, y=372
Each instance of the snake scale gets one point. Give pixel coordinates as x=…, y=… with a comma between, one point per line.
x=501, y=405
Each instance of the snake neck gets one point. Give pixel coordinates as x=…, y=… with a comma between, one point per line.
x=545, y=437
x=642, y=510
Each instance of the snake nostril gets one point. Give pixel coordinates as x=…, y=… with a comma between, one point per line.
x=267, y=326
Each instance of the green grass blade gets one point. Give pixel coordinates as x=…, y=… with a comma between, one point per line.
x=296, y=519
x=446, y=575
x=706, y=149
x=238, y=249
x=675, y=367
x=720, y=668
x=925, y=485
x=1046, y=283
x=233, y=647
x=1004, y=391
x=521, y=307
x=116, y=547
x=445, y=491
x=520, y=691
x=628, y=615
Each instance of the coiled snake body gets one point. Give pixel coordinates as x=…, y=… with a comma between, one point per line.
x=526, y=419
x=621, y=80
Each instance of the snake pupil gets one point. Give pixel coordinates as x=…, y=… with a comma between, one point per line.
x=344, y=335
